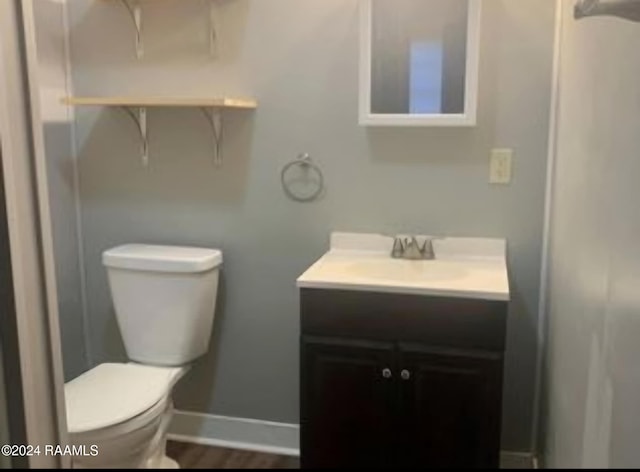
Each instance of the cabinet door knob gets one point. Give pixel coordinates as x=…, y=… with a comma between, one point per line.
x=386, y=373
x=405, y=374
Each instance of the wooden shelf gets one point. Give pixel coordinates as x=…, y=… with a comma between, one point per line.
x=136, y=108
x=148, y=102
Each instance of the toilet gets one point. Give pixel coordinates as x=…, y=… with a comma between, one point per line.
x=164, y=299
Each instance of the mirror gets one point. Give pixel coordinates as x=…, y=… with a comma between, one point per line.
x=419, y=62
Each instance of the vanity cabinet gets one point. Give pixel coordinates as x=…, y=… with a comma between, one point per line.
x=449, y=407
x=347, y=403
x=391, y=380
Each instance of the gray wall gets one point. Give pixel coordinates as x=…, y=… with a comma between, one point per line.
x=591, y=416
x=299, y=59
x=57, y=123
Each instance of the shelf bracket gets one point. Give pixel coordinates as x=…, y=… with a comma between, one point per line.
x=139, y=117
x=135, y=11
x=213, y=28
x=214, y=118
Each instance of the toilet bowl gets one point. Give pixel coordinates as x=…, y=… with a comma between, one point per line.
x=118, y=414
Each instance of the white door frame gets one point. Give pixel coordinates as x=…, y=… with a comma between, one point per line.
x=30, y=239
x=541, y=329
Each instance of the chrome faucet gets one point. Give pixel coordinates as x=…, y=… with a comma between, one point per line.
x=409, y=248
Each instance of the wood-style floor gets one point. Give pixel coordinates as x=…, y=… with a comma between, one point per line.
x=195, y=456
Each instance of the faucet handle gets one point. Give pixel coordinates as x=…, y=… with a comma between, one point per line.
x=423, y=248
x=428, y=250
x=412, y=248
x=398, y=248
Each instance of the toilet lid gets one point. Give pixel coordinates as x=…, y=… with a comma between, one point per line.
x=114, y=393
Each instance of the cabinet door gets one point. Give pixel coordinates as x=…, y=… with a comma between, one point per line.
x=347, y=403
x=451, y=407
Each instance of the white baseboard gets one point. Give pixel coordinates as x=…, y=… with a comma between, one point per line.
x=236, y=433
x=517, y=460
x=269, y=437
x=536, y=463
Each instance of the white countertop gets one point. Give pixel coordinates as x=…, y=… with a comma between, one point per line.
x=463, y=268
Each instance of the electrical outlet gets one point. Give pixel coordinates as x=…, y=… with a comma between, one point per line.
x=500, y=166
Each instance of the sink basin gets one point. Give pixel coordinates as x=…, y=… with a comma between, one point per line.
x=404, y=270
x=464, y=268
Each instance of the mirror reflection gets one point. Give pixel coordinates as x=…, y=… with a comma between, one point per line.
x=418, y=50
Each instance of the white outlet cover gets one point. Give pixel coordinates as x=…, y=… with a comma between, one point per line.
x=500, y=166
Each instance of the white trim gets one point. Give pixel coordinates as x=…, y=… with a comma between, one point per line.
x=472, y=68
x=546, y=235
x=27, y=214
x=236, y=433
x=517, y=460
x=267, y=436
x=242, y=446
x=48, y=268
x=365, y=61
x=466, y=119
x=536, y=462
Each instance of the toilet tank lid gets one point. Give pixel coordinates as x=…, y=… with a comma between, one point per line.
x=162, y=258
x=110, y=394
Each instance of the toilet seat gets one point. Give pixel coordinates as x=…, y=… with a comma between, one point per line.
x=137, y=443
x=121, y=430
x=112, y=399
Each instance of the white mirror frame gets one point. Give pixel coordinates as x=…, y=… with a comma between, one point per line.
x=468, y=118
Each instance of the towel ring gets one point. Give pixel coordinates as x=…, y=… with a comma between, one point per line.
x=305, y=162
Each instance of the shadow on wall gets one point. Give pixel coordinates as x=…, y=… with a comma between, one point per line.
x=62, y=192
x=521, y=335
x=181, y=157
x=174, y=32
x=198, y=393
x=56, y=134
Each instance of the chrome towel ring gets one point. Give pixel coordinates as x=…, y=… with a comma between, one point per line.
x=307, y=165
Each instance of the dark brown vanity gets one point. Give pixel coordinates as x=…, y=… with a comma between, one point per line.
x=398, y=380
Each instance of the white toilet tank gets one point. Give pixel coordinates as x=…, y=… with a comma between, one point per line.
x=164, y=298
